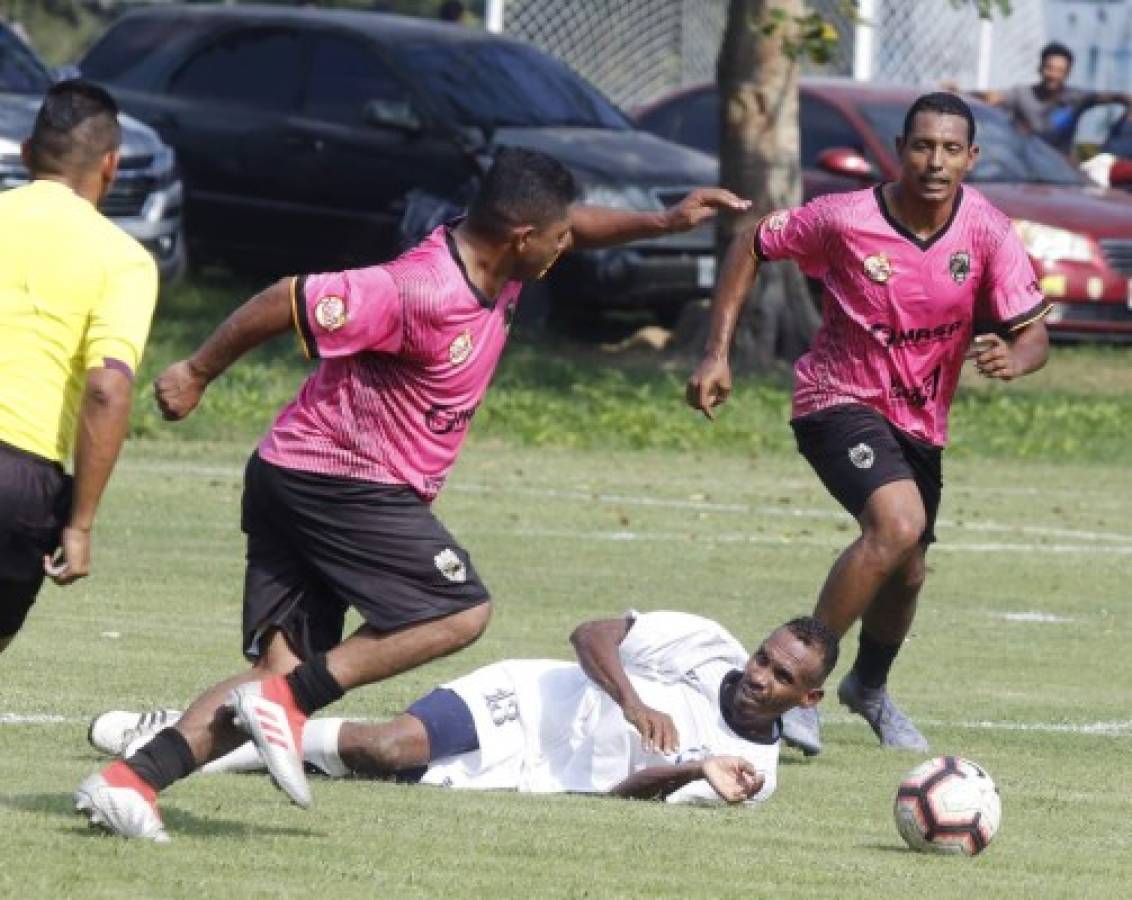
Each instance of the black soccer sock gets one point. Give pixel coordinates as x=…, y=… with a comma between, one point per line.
x=165, y=759
x=874, y=659
x=313, y=685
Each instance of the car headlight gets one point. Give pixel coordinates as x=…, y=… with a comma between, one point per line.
x=1053, y=244
x=163, y=159
x=164, y=166
x=633, y=198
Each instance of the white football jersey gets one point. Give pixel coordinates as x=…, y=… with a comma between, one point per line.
x=544, y=727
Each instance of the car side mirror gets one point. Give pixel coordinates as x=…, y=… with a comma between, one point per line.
x=845, y=162
x=396, y=114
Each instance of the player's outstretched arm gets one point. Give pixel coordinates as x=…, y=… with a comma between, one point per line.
x=596, y=644
x=710, y=385
x=1026, y=351
x=599, y=226
x=179, y=388
x=732, y=778
x=103, y=420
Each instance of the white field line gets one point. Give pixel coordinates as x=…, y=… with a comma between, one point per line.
x=787, y=541
x=697, y=505
x=1119, y=728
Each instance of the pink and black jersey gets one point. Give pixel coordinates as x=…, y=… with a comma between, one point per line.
x=406, y=352
x=899, y=312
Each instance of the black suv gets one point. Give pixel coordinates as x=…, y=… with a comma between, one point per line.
x=145, y=199
x=301, y=132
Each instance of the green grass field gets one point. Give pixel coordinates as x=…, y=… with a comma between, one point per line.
x=561, y=534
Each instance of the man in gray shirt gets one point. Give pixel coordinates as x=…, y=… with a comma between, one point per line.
x=1050, y=108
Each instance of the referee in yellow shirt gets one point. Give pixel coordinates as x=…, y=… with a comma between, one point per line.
x=76, y=298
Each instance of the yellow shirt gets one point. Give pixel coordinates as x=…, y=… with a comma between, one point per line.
x=75, y=290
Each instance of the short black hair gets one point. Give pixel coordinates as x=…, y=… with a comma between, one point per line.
x=946, y=105
x=815, y=633
x=522, y=187
x=76, y=126
x=1054, y=48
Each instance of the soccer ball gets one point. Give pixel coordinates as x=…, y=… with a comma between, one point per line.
x=947, y=805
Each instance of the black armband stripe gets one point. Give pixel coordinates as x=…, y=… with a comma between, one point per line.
x=1038, y=311
x=300, y=318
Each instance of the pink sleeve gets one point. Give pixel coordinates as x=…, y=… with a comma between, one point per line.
x=342, y=313
x=1011, y=297
x=797, y=234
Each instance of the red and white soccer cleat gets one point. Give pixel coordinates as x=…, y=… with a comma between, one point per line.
x=267, y=712
x=119, y=802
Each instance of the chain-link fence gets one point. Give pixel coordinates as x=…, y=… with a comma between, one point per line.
x=636, y=50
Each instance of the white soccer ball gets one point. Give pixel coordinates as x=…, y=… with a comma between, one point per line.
x=947, y=805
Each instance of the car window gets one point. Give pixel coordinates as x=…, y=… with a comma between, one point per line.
x=663, y=120
x=1120, y=142
x=699, y=125
x=259, y=68
x=824, y=126
x=496, y=83
x=127, y=44
x=345, y=76
x=1006, y=154
x=20, y=71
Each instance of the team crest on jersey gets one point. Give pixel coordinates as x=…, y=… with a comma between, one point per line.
x=862, y=456
x=451, y=566
x=959, y=266
x=777, y=220
x=330, y=313
x=878, y=268
x=461, y=348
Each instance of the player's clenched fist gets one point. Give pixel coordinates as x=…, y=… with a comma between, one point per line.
x=709, y=386
x=178, y=390
x=733, y=778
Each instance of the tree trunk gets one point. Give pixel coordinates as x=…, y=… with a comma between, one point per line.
x=759, y=159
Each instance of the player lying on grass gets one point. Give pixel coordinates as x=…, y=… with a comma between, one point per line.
x=337, y=495
x=659, y=705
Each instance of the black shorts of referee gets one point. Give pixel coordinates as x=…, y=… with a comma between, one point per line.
x=35, y=502
x=319, y=544
x=854, y=450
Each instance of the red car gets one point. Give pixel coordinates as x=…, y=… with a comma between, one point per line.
x=1078, y=236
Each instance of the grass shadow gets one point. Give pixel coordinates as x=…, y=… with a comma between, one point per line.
x=178, y=821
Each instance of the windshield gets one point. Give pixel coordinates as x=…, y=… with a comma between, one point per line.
x=20, y=71
x=501, y=84
x=1006, y=154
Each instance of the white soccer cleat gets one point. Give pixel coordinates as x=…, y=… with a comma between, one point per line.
x=119, y=810
x=266, y=712
x=117, y=730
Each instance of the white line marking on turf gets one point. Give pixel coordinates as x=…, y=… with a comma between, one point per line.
x=698, y=505
x=788, y=541
x=1032, y=616
x=1119, y=728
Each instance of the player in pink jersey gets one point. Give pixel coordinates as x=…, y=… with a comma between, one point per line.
x=336, y=497
x=911, y=271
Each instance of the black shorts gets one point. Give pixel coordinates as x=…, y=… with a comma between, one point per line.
x=855, y=450
x=35, y=502
x=318, y=544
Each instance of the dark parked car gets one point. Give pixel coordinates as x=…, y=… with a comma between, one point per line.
x=1079, y=236
x=145, y=199
x=301, y=131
